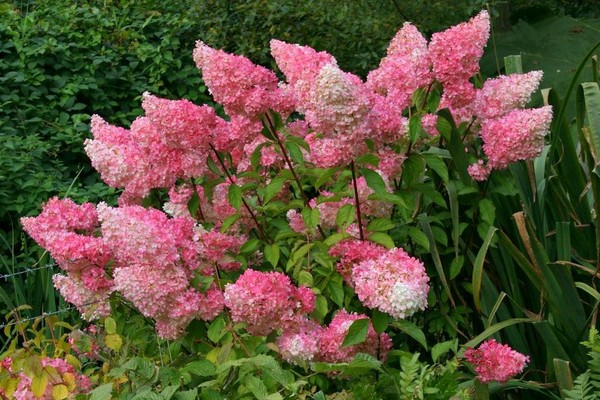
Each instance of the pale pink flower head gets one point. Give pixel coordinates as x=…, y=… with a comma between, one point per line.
x=338, y=103
x=300, y=343
x=91, y=304
x=429, y=124
x=505, y=93
x=240, y=85
x=496, y=362
x=518, y=135
x=406, y=68
x=394, y=283
x=332, y=338
x=267, y=301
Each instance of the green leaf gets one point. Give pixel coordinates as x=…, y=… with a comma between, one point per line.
x=493, y=329
x=271, y=253
x=102, y=392
x=250, y=246
x=381, y=321
x=234, y=196
x=187, y=395
x=374, y=180
x=39, y=384
x=202, y=368
x=411, y=330
x=442, y=348
x=419, y=237
x=216, y=329
x=437, y=164
x=311, y=217
x=345, y=216
x=414, y=128
x=257, y=387
x=113, y=342
x=478, y=267
x=194, y=204
x=357, y=332
x=380, y=225
x=274, y=188
x=110, y=325
x=229, y=221
x=383, y=239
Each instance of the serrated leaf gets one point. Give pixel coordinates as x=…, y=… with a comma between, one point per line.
x=257, y=387
x=438, y=165
x=419, y=237
x=271, y=253
x=310, y=216
x=229, y=221
x=345, y=216
x=411, y=330
x=59, y=392
x=380, y=225
x=216, y=329
x=357, y=332
x=234, y=195
x=383, y=239
x=305, y=278
x=113, y=342
x=274, y=188
x=110, y=325
x=380, y=320
x=250, y=246
x=487, y=210
x=414, y=128
x=440, y=349
x=39, y=384
x=374, y=180
x=102, y=392
x=202, y=368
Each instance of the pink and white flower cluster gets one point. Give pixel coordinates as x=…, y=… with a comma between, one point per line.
x=494, y=361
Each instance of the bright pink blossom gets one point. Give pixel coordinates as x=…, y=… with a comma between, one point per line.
x=332, y=337
x=267, y=301
x=241, y=86
x=394, y=283
x=352, y=252
x=518, y=135
x=496, y=362
x=91, y=304
x=405, y=69
x=455, y=54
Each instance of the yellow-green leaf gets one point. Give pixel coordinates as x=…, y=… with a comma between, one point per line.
x=60, y=392
x=39, y=384
x=114, y=342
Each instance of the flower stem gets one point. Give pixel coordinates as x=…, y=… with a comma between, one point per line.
x=358, y=214
x=246, y=205
x=273, y=132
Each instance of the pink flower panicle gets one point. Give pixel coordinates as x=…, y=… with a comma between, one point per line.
x=518, y=135
x=394, y=283
x=455, y=54
x=496, y=362
x=300, y=65
x=241, y=86
x=267, y=301
x=300, y=342
x=505, y=93
x=405, y=69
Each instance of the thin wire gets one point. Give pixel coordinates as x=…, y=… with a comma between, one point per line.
x=47, y=314
x=26, y=271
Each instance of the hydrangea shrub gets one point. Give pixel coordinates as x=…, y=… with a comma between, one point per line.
x=274, y=214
